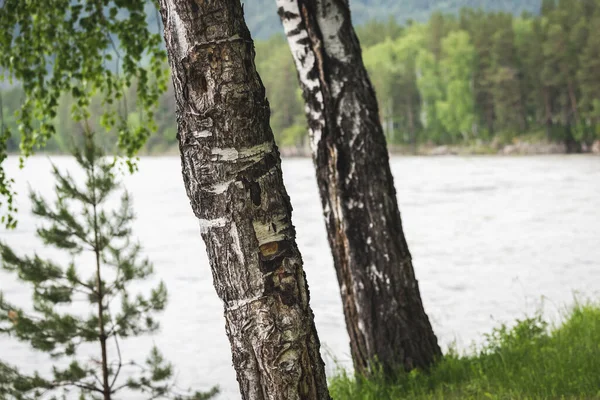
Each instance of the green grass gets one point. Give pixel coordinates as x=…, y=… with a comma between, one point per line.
x=529, y=361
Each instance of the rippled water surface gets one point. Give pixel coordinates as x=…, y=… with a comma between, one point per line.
x=492, y=239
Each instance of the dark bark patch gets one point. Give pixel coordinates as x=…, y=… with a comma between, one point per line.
x=304, y=41
x=285, y=285
x=202, y=83
x=260, y=169
x=253, y=188
x=273, y=254
x=248, y=65
x=255, y=194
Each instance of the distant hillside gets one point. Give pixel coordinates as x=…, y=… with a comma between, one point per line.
x=262, y=18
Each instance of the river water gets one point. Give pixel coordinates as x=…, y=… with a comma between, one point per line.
x=492, y=238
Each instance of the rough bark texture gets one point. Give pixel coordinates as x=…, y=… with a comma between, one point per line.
x=232, y=174
x=382, y=304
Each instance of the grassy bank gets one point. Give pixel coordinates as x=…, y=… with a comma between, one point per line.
x=529, y=361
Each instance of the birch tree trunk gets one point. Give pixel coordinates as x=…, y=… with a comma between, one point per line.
x=384, y=314
x=232, y=174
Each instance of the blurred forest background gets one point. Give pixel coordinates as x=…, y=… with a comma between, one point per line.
x=505, y=71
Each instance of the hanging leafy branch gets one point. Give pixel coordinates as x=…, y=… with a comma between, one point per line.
x=81, y=48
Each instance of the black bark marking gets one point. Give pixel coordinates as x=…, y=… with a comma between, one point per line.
x=286, y=14
x=253, y=189
x=255, y=193
x=202, y=83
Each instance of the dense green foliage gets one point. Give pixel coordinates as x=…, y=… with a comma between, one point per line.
x=476, y=77
x=81, y=222
x=527, y=361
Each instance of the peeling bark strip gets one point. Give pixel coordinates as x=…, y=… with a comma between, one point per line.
x=382, y=304
x=232, y=174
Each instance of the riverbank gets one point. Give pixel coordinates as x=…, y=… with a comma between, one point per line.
x=516, y=147
x=528, y=361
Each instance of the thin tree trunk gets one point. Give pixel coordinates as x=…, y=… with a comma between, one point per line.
x=411, y=125
x=383, y=116
x=548, y=110
x=382, y=304
x=392, y=133
x=489, y=114
x=106, y=391
x=232, y=174
x=573, y=100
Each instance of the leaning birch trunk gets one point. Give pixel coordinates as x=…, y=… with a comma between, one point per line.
x=384, y=314
x=232, y=174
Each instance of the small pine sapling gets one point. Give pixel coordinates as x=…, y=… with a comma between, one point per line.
x=80, y=222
